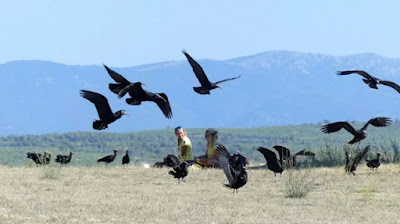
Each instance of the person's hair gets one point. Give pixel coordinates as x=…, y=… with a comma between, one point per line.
x=214, y=136
x=179, y=128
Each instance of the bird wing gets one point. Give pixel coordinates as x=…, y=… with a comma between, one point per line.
x=223, y=158
x=269, y=156
x=198, y=70
x=284, y=153
x=174, y=160
x=134, y=89
x=378, y=122
x=304, y=153
x=391, y=84
x=117, y=77
x=360, y=72
x=359, y=156
x=105, y=158
x=334, y=127
x=101, y=103
x=224, y=80
x=164, y=105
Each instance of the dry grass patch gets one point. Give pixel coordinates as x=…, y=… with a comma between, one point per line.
x=137, y=195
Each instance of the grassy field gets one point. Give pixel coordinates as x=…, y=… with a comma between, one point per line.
x=138, y=195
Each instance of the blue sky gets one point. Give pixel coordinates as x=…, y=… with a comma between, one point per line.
x=128, y=33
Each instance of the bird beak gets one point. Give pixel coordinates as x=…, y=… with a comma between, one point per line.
x=143, y=84
x=125, y=113
x=219, y=87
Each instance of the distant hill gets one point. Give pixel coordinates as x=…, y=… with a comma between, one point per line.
x=276, y=88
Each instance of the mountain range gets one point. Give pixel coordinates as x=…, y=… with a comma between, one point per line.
x=275, y=88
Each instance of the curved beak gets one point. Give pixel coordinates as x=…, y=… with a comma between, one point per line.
x=143, y=84
x=125, y=113
x=219, y=87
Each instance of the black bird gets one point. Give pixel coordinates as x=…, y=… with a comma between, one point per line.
x=358, y=134
x=286, y=160
x=169, y=160
x=45, y=158
x=35, y=157
x=351, y=165
x=272, y=161
x=374, y=163
x=371, y=81
x=180, y=171
x=126, y=159
x=108, y=159
x=234, y=168
x=206, y=85
x=64, y=159
x=103, y=109
x=137, y=93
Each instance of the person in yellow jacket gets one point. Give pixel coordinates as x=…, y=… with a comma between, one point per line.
x=184, y=145
x=210, y=159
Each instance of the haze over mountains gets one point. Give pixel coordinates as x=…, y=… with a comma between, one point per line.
x=276, y=88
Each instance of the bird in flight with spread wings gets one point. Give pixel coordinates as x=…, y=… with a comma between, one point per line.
x=137, y=93
x=358, y=134
x=103, y=109
x=370, y=80
x=206, y=85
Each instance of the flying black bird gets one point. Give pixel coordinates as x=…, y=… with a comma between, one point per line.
x=137, y=93
x=108, y=159
x=180, y=171
x=374, y=163
x=359, y=134
x=64, y=159
x=234, y=168
x=272, y=161
x=126, y=159
x=351, y=165
x=103, y=109
x=371, y=81
x=206, y=85
x=286, y=160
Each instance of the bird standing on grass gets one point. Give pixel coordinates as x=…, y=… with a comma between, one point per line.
x=103, y=109
x=206, y=85
x=351, y=165
x=272, y=161
x=287, y=160
x=126, y=159
x=233, y=167
x=180, y=171
x=358, y=134
x=35, y=157
x=374, y=163
x=137, y=93
x=108, y=159
x=64, y=159
x=371, y=81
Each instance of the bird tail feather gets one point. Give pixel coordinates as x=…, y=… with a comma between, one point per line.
x=200, y=90
x=172, y=173
x=99, y=125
